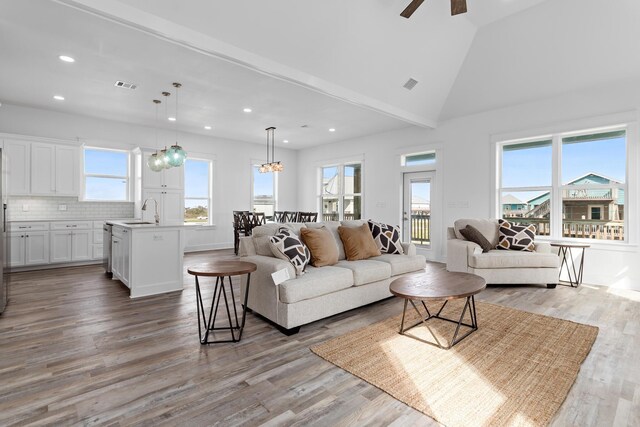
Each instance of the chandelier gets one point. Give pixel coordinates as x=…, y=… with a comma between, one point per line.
x=271, y=166
x=175, y=155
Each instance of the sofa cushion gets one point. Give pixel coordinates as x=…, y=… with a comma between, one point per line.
x=514, y=259
x=321, y=243
x=515, y=237
x=288, y=246
x=314, y=283
x=401, y=264
x=387, y=237
x=261, y=234
x=332, y=226
x=367, y=271
x=472, y=234
x=488, y=228
x=353, y=223
x=358, y=242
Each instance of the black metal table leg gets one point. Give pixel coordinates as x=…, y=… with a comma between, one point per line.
x=469, y=305
x=567, y=261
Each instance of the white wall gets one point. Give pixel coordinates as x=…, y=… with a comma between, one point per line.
x=466, y=171
x=232, y=167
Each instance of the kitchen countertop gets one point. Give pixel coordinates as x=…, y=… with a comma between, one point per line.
x=140, y=224
x=71, y=219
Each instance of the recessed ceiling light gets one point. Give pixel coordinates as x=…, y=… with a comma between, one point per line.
x=58, y=97
x=172, y=119
x=286, y=141
x=247, y=110
x=66, y=58
x=207, y=127
x=332, y=130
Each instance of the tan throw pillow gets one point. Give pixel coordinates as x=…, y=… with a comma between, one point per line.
x=323, y=247
x=358, y=242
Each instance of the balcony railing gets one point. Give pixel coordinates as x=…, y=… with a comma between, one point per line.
x=581, y=229
x=420, y=225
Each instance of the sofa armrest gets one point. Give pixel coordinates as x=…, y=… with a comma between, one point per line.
x=409, y=248
x=451, y=234
x=247, y=248
x=458, y=254
x=542, y=247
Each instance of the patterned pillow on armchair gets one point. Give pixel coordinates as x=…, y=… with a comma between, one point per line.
x=516, y=237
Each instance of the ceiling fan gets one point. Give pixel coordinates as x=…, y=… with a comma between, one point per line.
x=457, y=7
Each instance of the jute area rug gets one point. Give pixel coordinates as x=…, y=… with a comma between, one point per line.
x=516, y=369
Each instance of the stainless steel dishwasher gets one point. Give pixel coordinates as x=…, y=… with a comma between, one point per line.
x=106, y=248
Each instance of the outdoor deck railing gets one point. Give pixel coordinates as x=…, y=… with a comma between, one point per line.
x=581, y=229
x=419, y=225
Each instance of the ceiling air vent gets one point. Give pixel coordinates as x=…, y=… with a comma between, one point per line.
x=125, y=85
x=410, y=84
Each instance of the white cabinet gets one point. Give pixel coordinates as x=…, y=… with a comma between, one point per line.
x=42, y=169
x=67, y=170
x=169, y=179
x=71, y=242
x=120, y=255
x=170, y=206
x=28, y=248
x=43, y=174
x=18, y=167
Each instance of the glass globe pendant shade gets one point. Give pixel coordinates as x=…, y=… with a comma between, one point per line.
x=154, y=163
x=163, y=156
x=176, y=155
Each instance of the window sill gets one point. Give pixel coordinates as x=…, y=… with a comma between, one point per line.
x=596, y=244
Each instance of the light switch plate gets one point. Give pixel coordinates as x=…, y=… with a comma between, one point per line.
x=25, y=208
x=62, y=207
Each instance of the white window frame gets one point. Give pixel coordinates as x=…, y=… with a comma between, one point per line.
x=86, y=175
x=556, y=136
x=209, y=199
x=341, y=194
x=256, y=164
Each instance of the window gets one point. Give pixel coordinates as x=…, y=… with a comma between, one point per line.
x=264, y=192
x=341, y=192
x=106, y=175
x=569, y=185
x=419, y=159
x=197, y=191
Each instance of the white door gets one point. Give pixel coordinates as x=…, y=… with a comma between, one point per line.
x=417, y=207
x=116, y=256
x=37, y=247
x=15, y=250
x=172, y=208
x=126, y=257
x=60, y=246
x=43, y=174
x=81, y=245
x=18, y=164
x=67, y=168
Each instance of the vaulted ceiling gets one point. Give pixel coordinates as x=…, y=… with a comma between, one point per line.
x=324, y=64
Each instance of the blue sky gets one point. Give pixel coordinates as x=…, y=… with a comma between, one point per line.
x=103, y=162
x=262, y=183
x=196, y=178
x=532, y=167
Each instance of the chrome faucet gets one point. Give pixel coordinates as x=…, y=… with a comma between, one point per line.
x=144, y=208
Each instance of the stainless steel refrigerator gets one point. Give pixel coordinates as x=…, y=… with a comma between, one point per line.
x=3, y=229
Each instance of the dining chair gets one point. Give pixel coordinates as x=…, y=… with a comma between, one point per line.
x=278, y=216
x=290, y=216
x=308, y=216
x=242, y=225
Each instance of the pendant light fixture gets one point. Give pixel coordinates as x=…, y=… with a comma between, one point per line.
x=153, y=162
x=162, y=156
x=175, y=154
x=271, y=165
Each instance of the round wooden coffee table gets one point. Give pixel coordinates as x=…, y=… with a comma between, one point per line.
x=220, y=270
x=438, y=284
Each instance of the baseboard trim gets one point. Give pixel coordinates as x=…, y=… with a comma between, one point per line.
x=208, y=247
x=51, y=266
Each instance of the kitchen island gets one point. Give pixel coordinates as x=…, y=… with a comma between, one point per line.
x=147, y=258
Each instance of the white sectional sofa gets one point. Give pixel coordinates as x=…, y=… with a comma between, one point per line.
x=500, y=266
x=319, y=292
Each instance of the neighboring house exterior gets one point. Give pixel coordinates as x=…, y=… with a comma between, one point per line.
x=514, y=207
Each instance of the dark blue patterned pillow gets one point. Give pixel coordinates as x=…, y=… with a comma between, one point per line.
x=287, y=246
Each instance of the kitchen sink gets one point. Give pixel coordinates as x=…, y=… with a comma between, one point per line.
x=138, y=222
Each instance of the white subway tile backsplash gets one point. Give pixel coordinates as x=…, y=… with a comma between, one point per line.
x=49, y=208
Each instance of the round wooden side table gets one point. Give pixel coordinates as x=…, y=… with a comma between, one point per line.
x=437, y=284
x=566, y=256
x=220, y=270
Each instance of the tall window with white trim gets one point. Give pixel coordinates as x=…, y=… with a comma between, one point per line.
x=341, y=191
x=264, y=198
x=106, y=175
x=197, y=191
x=570, y=185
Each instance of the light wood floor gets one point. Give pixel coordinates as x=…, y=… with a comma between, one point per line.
x=74, y=349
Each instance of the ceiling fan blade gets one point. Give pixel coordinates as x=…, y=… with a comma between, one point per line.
x=408, y=11
x=458, y=7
